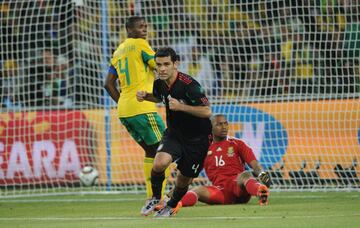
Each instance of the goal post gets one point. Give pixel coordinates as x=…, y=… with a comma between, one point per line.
x=285, y=73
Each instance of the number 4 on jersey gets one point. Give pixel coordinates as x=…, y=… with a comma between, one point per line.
x=125, y=71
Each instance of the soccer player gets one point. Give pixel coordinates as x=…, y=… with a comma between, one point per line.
x=224, y=166
x=186, y=138
x=132, y=65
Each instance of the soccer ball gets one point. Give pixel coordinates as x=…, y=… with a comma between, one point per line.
x=89, y=176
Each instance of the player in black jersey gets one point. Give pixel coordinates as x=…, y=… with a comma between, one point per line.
x=186, y=138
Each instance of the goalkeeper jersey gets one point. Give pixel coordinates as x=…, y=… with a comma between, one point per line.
x=226, y=159
x=134, y=64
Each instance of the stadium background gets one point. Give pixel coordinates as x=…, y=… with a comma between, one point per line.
x=285, y=72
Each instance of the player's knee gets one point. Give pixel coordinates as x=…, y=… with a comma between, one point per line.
x=159, y=167
x=243, y=177
x=161, y=162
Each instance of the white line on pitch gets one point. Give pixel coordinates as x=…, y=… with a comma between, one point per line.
x=68, y=200
x=174, y=218
x=141, y=199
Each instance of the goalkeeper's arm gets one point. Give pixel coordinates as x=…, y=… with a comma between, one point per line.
x=263, y=176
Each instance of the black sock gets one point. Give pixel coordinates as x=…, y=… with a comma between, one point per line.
x=156, y=183
x=177, y=196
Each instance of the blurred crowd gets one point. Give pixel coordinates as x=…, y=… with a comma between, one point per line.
x=52, y=53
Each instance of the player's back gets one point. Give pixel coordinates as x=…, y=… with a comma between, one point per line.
x=132, y=63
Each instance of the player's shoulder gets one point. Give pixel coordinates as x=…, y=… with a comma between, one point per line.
x=140, y=41
x=189, y=82
x=157, y=82
x=237, y=141
x=118, y=49
x=185, y=78
x=234, y=140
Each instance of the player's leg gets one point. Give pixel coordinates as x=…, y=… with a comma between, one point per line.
x=246, y=181
x=190, y=198
x=181, y=187
x=161, y=163
x=174, y=204
x=168, y=151
x=155, y=126
x=190, y=164
x=147, y=130
x=205, y=194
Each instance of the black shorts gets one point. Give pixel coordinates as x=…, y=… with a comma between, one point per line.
x=188, y=155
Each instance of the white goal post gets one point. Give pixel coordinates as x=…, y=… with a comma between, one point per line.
x=285, y=73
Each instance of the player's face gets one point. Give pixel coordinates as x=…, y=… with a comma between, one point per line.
x=220, y=127
x=139, y=30
x=166, y=69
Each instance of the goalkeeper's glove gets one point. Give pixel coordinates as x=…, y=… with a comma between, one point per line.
x=264, y=178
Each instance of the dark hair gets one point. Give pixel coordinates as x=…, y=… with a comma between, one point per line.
x=165, y=52
x=213, y=117
x=132, y=20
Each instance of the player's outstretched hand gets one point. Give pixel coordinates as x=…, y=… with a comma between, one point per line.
x=140, y=95
x=264, y=178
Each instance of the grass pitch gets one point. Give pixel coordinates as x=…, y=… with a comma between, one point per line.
x=286, y=209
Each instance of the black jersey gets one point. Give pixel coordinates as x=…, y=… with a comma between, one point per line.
x=182, y=124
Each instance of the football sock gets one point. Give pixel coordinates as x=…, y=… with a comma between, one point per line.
x=252, y=186
x=156, y=183
x=189, y=199
x=177, y=195
x=148, y=164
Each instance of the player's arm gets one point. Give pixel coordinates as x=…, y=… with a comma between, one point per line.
x=256, y=167
x=145, y=96
x=246, y=154
x=147, y=54
x=258, y=171
x=110, y=84
x=199, y=111
x=148, y=59
x=199, y=107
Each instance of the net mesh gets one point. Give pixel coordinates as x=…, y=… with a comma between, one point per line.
x=286, y=74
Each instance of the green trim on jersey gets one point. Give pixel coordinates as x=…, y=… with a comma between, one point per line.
x=146, y=57
x=134, y=75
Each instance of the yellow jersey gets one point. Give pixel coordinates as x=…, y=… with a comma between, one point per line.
x=134, y=64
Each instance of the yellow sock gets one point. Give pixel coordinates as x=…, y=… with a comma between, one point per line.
x=167, y=174
x=148, y=164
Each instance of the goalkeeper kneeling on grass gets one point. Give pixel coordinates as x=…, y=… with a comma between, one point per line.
x=225, y=168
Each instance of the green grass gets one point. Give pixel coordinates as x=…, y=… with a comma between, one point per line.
x=286, y=209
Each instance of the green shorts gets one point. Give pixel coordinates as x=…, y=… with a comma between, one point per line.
x=147, y=128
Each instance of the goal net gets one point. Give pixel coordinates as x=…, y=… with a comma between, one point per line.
x=285, y=73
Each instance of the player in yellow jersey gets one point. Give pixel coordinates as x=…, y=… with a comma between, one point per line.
x=132, y=65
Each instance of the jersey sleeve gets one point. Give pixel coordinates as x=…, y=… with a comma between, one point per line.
x=245, y=152
x=112, y=70
x=112, y=61
x=147, y=54
x=196, y=95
